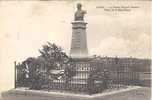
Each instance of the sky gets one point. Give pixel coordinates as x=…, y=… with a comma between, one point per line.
x=27, y=25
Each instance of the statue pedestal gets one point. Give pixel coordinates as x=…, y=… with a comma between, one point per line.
x=79, y=40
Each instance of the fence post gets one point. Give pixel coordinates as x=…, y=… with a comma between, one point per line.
x=15, y=74
x=117, y=76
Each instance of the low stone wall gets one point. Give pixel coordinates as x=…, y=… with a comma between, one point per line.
x=18, y=94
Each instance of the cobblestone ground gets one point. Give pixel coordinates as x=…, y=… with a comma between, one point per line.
x=143, y=93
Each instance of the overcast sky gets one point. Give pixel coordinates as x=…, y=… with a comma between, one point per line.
x=25, y=26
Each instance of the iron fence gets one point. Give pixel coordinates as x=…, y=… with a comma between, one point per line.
x=98, y=78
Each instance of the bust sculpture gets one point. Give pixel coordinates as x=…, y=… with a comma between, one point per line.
x=79, y=14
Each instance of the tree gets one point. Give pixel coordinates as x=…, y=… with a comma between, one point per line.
x=51, y=57
x=56, y=58
x=30, y=74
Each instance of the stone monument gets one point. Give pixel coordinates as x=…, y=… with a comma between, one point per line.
x=79, y=39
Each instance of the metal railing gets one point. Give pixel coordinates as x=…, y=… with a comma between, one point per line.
x=95, y=83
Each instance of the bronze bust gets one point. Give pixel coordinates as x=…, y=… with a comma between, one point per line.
x=79, y=14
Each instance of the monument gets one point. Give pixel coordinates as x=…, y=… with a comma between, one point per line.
x=79, y=39
x=52, y=77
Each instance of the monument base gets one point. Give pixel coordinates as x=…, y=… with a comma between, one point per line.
x=79, y=47
x=22, y=94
